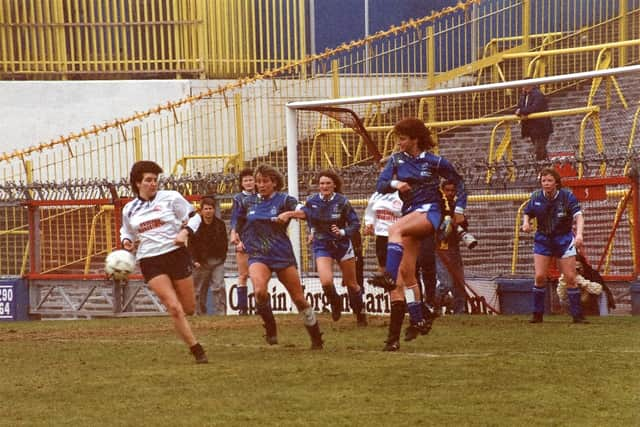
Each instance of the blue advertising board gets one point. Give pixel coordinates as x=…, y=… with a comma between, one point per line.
x=14, y=299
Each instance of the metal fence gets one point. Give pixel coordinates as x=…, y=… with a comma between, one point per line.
x=66, y=230
x=80, y=39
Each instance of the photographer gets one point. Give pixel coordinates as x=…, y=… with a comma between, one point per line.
x=449, y=267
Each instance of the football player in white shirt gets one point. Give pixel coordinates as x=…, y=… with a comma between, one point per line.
x=382, y=210
x=160, y=222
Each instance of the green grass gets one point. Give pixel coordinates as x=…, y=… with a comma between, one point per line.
x=471, y=370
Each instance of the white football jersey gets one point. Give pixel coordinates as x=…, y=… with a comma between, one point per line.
x=155, y=223
x=383, y=210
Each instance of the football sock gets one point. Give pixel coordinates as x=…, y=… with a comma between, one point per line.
x=316, y=336
x=398, y=308
x=415, y=312
x=355, y=300
x=264, y=310
x=333, y=297
x=394, y=256
x=242, y=298
x=330, y=292
x=575, y=308
x=538, y=299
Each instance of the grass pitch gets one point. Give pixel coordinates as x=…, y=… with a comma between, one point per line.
x=471, y=370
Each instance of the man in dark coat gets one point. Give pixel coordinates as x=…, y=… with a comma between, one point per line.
x=532, y=100
x=208, y=247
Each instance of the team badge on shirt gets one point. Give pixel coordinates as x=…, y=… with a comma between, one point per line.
x=334, y=212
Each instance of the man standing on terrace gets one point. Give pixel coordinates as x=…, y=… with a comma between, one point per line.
x=532, y=100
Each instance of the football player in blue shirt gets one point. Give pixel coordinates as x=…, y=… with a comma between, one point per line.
x=333, y=222
x=415, y=173
x=265, y=239
x=555, y=208
x=247, y=187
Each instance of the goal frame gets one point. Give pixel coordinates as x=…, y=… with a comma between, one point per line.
x=292, y=108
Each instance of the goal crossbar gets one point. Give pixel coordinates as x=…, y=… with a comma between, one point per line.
x=301, y=105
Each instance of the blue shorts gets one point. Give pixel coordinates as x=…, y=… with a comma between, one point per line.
x=432, y=212
x=554, y=246
x=176, y=264
x=273, y=263
x=340, y=250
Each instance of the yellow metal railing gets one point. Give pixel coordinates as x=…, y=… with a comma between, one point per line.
x=496, y=152
x=73, y=38
x=632, y=135
x=493, y=55
x=104, y=215
x=14, y=240
x=14, y=263
x=604, y=60
x=91, y=234
x=60, y=39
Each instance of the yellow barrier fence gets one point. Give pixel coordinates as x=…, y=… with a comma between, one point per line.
x=80, y=39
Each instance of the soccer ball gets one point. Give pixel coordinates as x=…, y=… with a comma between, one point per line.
x=119, y=264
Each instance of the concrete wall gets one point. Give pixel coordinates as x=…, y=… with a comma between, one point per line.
x=36, y=112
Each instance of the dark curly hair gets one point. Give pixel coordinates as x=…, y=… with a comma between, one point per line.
x=139, y=169
x=337, y=181
x=415, y=128
x=272, y=173
x=243, y=173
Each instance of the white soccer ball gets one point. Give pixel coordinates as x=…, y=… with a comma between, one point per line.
x=120, y=264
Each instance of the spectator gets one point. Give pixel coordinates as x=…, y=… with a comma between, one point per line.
x=532, y=100
x=208, y=249
x=247, y=189
x=449, y=267
x=555, y=209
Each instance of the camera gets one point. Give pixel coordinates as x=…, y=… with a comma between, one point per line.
x=467, y=238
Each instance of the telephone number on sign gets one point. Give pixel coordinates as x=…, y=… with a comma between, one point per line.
x=5, y=309
x=6, y=294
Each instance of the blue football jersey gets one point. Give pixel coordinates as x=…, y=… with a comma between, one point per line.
x=263, y=236
x=236, y=222
x=555, y=216
x=322, y=214
x=423, y=174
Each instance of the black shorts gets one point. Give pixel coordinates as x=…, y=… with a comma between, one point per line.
x=175, y=264
x=381, y=250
